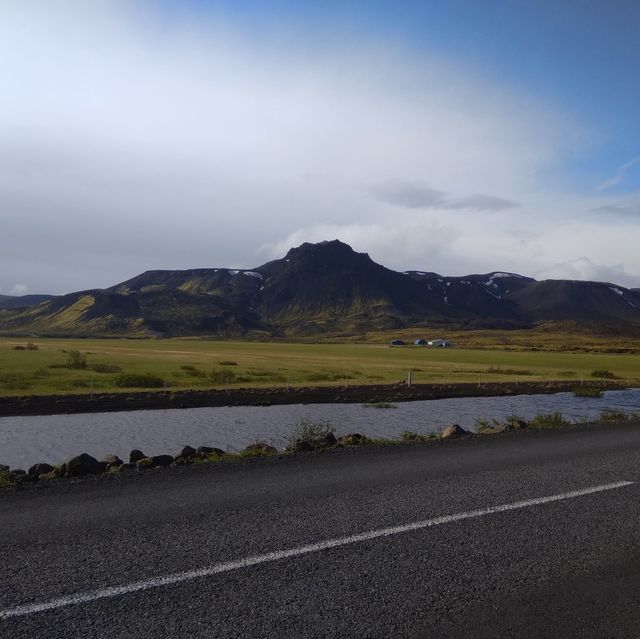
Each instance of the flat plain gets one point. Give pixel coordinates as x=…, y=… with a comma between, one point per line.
x=60, y=366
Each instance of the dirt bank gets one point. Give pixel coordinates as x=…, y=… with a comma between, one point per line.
x=107, y=402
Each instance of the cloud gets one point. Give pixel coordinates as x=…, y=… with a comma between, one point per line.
x=481, y=202
x=132, y=142
x=19, y=289
x=620, y=174
x=629, y=209
x=413, y=196
x=584, y=269
x=417, y=196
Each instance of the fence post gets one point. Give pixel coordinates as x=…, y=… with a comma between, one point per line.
x=409, y=380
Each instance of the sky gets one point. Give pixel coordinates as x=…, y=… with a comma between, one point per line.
x=452, y=136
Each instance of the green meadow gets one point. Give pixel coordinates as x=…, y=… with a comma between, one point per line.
x=58, y=366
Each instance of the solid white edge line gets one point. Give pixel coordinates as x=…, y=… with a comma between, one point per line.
x=189, y=575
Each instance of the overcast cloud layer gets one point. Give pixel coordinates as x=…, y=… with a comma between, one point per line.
x=127, y=144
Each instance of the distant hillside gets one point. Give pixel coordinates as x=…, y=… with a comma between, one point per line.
x=22, y=301
x=324, y=288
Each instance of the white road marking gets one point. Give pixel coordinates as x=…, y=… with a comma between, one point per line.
x=189, y=575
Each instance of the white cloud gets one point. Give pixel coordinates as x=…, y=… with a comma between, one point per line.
x=584, y=269
x=19, y=289
x=129, y=143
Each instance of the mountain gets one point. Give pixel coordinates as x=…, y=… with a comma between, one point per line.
x=324, y=288
x=22, y=301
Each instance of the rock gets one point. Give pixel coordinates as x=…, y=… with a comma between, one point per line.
x=135, y=456
x=53, y=474
x=260, y=448
x=112, y=460
x=453, y=432
x=352, y=439
x=330, y=439
x=516, y=424
x=188, y=451
x=81, y=465
x=39, y=469
x=145, y=462
x=4, y=469
x=17, y=474
x=162, y=460
x=205, y=451
x=301, y=446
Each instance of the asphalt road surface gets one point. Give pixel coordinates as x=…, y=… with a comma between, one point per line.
x=518, y=535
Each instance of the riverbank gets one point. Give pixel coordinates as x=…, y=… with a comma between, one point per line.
x=111, y=402
x=309, y=438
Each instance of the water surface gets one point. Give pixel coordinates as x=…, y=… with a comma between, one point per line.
x=55, y=438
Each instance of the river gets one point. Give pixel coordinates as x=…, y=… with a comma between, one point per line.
x=55, y=438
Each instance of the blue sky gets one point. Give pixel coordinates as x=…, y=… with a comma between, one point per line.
x=579, y=54
x=450, y=136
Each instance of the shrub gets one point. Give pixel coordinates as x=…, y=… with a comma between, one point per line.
x=226, y=363
x=5, y=480
x=549, y=420
x=412, y=436
x=309, y=430
x=193, y=371
x=603, y=374
x=106, y=368
x=138, y=380
x=587, y=391
x=222, y=376
x=76, y=360
x=19, y=347
x=616, y=415
x=32, y=347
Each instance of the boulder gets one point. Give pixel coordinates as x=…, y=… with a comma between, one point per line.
x=162, y=460
x=205, y=451
x=49, y=476
x=82, y=465
x=135, y=456
x=188, y=451
x=145, y=462
x=18, y=475
x=352, y=439
x=112, y=460
x=453, y=432
x=39, y=469
x=4, y=469
x=260, y=448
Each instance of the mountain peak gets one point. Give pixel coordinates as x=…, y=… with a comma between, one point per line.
x=331, y=251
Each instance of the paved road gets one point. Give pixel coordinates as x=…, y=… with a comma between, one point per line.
x=536, y=568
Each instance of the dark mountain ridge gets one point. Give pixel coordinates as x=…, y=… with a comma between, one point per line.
x=324, y=288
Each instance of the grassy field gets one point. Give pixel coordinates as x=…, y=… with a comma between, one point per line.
x=58, y=366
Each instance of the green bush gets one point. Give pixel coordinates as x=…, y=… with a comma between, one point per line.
x=76, y=360
x=549, y=420
x=309, y=430
x=138, y=380
x=222, y=376
x=412, y=436
x=603, y=374
x=106, y=368
x=587, y=391
x=616, y=415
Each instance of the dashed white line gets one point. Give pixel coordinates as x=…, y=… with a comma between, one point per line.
x=208, y=571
